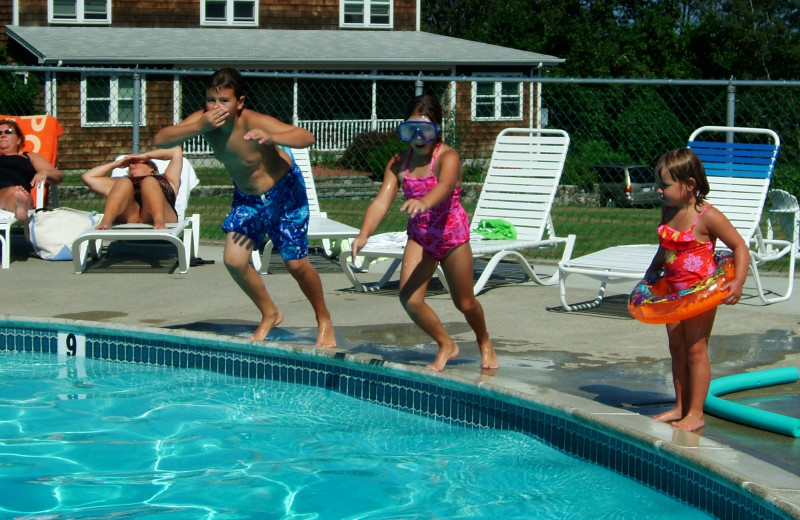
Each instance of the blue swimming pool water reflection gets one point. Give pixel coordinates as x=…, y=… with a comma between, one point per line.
x=87, y=438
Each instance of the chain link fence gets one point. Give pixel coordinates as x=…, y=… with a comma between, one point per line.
x=354, y=116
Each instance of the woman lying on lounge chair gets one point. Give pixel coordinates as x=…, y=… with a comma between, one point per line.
x=20, y=172
x=144, y=195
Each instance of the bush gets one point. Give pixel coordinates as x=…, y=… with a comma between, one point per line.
x=325, y=159
x=21, y=96
x=787, y=179
x=472, y=173
x=370, y=151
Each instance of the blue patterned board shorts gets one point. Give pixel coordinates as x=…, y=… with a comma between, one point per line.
x=281, y=213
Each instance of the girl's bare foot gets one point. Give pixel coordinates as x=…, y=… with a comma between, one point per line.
x=690, y=423
x=159, y=224
x=325, y=335
x=488, y=356
x=266, y=325
x=21, y=198
x=669, y=416
x=444, y=355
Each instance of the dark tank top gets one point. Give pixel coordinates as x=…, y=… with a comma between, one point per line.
x=16, y=170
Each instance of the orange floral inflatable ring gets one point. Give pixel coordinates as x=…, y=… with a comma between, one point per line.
x=651, y=301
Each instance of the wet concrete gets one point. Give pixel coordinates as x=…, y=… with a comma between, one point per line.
x=91, y=315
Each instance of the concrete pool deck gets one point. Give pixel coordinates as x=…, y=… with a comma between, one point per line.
x=601, y=354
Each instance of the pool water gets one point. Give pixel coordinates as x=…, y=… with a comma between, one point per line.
x=82, y=438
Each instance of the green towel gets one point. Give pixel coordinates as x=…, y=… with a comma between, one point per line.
x=496, y=229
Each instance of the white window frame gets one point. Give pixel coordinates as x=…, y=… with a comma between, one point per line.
x=80, y=14
x=229, y=20
x=498, y=97
x=367, y=8
x=114, y=97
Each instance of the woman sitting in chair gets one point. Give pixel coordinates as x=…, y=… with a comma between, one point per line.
x=144, y=195
x=21, y=171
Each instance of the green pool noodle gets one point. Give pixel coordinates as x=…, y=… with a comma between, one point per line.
x=762, y=419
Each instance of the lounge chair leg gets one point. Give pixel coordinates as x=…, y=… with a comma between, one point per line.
x=349, y=271
x=578, y=306
x=6, y=249
x=760, y=288
x=185, y=251
x=263, y=259
x=80, y=252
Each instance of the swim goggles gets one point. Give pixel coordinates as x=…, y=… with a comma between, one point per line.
x=410, y=129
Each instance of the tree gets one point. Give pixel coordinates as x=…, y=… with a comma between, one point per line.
x=700, y=39
x=748, y=40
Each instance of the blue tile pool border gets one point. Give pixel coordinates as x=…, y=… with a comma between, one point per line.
x=408, y=389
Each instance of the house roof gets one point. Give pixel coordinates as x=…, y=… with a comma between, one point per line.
x=265, y=48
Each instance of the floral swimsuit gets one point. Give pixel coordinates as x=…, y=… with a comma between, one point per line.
x=687, y=260
x=281, y=214
x=443, y=227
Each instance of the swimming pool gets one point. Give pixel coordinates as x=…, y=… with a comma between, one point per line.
x=99, y=438
x=561, y=426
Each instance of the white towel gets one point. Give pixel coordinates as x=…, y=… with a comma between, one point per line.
x=6, y=215
x=388, y=240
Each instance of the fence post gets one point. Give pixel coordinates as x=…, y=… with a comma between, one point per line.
x=730, y=119
x=418, y=85
x=537, y=93
x=373, y=117
x=50, y=105
x=295, y=103
x=136, y=116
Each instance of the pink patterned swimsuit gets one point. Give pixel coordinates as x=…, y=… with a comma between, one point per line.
x=687, y=260
x=443, y=227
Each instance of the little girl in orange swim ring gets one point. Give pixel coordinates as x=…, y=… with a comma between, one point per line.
x=688, y=232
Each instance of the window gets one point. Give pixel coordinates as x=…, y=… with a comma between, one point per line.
x=229, y=12
x=495, y=100
x=366, y=13
x=81, y=11
x=107, y=100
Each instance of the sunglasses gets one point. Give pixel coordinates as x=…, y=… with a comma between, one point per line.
x=410, y=129
x=8, y=131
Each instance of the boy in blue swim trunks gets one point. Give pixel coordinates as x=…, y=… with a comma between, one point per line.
x=269, y=195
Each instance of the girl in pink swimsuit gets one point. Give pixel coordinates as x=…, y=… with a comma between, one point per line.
x=438, y=229
x=445, y=226
x=689, y=228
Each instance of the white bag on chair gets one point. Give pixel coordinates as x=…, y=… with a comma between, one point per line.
x=52, y=231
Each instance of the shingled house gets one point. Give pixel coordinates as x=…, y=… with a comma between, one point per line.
x=91, y=51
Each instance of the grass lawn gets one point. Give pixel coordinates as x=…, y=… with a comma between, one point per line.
x=594, y=227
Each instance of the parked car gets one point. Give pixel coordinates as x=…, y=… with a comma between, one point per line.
x=626, y=185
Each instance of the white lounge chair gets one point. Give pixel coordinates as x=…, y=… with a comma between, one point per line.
x=739, y=173
x=520, y=186
x=784, y=213
x=335, y=235
x=184, y=234
x=611, y=265
x=41, y=136
x=7, y=220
